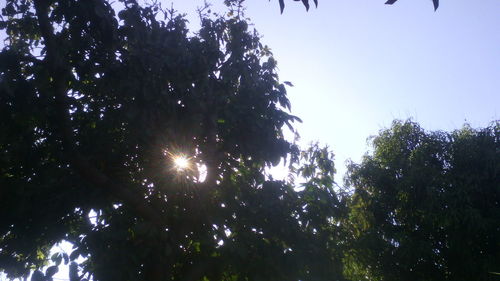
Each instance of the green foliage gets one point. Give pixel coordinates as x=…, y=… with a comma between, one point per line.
x=426, y=206
x=95, y=102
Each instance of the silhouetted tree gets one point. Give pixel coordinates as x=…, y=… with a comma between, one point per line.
x=426, y=206
x=95, y=107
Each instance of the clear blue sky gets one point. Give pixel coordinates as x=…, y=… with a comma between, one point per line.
x=359, y=64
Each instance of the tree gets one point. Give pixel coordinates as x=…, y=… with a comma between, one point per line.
x=426, y=206
x=94, y=109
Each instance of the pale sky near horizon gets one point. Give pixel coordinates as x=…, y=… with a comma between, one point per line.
x=359, y=64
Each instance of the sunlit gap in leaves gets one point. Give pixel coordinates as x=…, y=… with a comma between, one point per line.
x=186, y=167
x=62, y=254
x=59, y=256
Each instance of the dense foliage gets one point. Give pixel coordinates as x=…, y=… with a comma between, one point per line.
x=95, y=105
x=426, y=206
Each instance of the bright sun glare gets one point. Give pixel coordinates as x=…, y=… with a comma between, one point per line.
x=181, y=162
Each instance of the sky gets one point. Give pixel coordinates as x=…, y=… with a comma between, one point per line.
x=357, y=65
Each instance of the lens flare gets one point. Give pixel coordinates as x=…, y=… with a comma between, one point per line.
x=181, y=163
x=184, y=167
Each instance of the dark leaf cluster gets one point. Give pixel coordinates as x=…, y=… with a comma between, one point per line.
x=426, y=205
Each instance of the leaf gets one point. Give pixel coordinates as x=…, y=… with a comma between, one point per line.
x=37, y=276
x=66, y=258
x=436, y=4
x=306, y=4
x=9, y=9
x=51, y=270
x=282, y=5
x=56, y=258
x=73, y=271
x=390, y=2
x=74, y=255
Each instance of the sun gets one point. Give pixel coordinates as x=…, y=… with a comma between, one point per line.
x=181, y=162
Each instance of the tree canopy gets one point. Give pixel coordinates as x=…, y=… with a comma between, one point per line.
x=426, y=206
x=95, y=108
